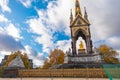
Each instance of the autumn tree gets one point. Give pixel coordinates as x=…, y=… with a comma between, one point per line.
x=23, y=56
x=109, y=54
x=46, y=64
x=56, y=57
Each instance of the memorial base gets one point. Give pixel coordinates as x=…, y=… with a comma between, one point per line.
x=92, y=60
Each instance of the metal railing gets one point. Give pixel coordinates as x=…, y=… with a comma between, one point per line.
x=112, y=71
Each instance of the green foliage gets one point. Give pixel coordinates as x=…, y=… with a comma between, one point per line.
x=23, y=56
x=1, y=71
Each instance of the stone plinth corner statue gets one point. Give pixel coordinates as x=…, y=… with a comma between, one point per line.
x=81, y=49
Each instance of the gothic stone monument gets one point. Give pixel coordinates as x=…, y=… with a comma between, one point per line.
x=80, y=27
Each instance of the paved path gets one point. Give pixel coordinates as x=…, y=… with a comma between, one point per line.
x=54, y=79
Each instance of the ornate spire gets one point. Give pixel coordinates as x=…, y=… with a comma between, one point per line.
x=77, y=8
x=85, y=15
x=71, y=17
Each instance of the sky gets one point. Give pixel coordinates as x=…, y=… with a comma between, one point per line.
x=39, y=26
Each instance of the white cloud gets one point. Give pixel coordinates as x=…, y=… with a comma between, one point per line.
x=45, y=36
x=1, y=30
x=58, y=15
x=3, y=53
x=46, y=42
x=50, y=21
x=114, y=42
x=13, y=31
x=4, y=5
x=38, y=58
x=26, y=3
x=9, y=28
x=3, y=18
x=104, y=19
x=64, y=45
x=9, y=36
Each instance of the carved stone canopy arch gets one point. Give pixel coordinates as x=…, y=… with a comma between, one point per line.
x=80, y=33
x=83, y=33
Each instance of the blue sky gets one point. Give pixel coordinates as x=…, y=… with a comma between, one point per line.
x=38, y=26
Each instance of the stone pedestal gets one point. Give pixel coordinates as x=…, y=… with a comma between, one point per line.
x=90, y=60
x=83, y=58
x=81, y=51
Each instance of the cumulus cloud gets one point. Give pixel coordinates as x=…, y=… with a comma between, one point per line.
x=104, y=23
x=3, y=18
x=49, y=22
x=3, y=53
x=8, y=43
x=64, y=45
x=114, y=42
x=9, y=37
x=13, y=31
x=9, y=28
x=4, y=5
x=26, y=3
x=38, y=58
x=104, y=19
x=45, y=36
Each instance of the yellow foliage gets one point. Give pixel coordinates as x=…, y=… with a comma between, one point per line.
x=109, y=54
x=24, y=58
x=56, y=57
x=46, y=64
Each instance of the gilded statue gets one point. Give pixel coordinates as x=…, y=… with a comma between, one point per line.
x=81, y=46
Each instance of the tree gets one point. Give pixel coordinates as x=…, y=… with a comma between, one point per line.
x=23, y=56
x=46, y=64
x=1, y=71
x=56, y=57
x=109, y=54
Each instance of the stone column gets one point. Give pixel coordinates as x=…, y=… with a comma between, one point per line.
x=73, y=46
x=88, y=45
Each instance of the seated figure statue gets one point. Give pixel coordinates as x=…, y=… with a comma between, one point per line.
x=81, y=46
x=81, y=49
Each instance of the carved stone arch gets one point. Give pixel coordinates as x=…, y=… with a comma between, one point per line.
x=81, y=33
